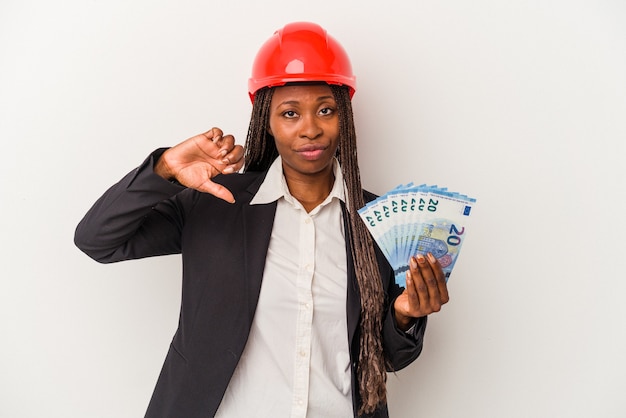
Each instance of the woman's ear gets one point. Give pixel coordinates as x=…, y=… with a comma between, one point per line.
x=269, y=131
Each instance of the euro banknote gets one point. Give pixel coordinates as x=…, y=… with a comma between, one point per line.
x=418, y=219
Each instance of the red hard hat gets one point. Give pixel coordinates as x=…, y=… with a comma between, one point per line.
x=301, y=51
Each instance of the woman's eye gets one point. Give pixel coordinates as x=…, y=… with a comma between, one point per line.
x=290, y=114
x=326, y=111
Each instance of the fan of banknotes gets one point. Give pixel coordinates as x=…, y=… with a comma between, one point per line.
x=412, y=219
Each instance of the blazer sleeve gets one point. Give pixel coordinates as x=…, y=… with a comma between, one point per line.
x=139, y=216
x=401, y=348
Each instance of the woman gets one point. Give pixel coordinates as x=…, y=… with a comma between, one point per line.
x=288, y=308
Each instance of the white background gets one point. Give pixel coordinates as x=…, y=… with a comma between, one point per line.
x=521, y=104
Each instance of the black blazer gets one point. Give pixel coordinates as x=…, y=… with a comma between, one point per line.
x=223, y=249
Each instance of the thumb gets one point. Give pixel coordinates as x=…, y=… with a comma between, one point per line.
x=216, y=190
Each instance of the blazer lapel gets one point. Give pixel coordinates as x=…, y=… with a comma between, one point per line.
x=258, y=221
x=353, y=300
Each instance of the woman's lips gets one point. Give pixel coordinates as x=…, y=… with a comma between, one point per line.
x=311, y=152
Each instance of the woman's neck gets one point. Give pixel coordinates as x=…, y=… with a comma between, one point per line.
x=311, y=190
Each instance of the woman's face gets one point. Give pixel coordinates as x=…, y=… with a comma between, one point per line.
x=304, y=122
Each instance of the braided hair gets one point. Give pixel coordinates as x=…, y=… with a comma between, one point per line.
x=260, y=153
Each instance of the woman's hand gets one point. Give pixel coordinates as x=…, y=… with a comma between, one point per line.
x=194, y=162
x=426, y=291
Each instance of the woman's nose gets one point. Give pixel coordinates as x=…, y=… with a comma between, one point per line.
x=310, y=127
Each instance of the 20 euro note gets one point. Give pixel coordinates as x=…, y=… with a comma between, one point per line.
x=412, y=219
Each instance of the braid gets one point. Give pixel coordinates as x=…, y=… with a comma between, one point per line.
x=260, y=152
x=371, y=374
x=260, y=148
